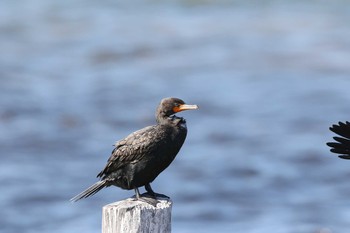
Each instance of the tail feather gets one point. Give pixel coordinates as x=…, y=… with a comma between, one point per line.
x=90, y=191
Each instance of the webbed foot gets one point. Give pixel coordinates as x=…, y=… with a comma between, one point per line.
x=150, y=192
x=145, y=197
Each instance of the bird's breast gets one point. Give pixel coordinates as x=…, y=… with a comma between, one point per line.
x=183, y=125
x=179, y=122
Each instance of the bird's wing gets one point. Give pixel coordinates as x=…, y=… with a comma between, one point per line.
x=342, y=144
x=131, y=149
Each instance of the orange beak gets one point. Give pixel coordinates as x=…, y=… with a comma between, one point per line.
x=184, y=107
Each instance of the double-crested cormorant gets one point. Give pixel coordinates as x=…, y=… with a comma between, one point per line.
x=140, y=157
x=342, y=144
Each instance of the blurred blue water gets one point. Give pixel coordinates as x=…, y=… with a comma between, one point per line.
x=270, y=78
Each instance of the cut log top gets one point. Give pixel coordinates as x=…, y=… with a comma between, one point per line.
x=137, y=217
x=132, y=203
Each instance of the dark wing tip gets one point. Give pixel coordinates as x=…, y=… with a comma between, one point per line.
x=342, y=144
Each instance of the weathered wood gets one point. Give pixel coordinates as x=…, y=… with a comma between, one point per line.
x=130, y=216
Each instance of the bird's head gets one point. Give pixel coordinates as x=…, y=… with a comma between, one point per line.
x=170, y=106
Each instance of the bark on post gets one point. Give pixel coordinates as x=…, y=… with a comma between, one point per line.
x=129, y=216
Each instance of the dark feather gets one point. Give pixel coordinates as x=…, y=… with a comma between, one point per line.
x=133, y=148
x=342, y=144
x=90, y=191
x=343, y=129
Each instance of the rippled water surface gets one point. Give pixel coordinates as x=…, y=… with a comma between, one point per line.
x=270, y=78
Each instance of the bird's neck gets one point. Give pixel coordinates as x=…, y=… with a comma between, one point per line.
x=172, y=120
x=161, y=118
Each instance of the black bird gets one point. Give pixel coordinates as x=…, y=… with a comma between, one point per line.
x=140, y=157
x=342, y=144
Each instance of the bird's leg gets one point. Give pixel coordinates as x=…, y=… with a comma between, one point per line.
x=152, y=193
x=150, y=190
x=137, y=193
x=150, y=200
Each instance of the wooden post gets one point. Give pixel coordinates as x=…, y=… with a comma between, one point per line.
x=130, y=216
